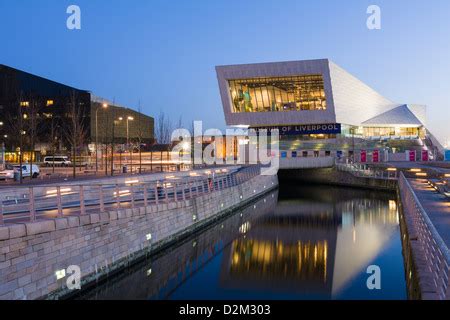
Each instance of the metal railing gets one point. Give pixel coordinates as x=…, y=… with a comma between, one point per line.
x=364, y=171
x=436, y=252
x=47, y=202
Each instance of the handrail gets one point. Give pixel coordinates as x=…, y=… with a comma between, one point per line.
x=78, y=199
x=363, y=171
x=437, y=254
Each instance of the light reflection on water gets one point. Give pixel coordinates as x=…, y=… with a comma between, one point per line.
x=313, y=242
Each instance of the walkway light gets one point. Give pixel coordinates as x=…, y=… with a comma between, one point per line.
x=421, y=174
x=132, y=181
x=415, y=170
x=391, y=169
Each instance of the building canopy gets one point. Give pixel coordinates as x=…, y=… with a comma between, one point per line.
x=399, y=116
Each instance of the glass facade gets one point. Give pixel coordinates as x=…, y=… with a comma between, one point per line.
x=390, y=131
x=273, y=94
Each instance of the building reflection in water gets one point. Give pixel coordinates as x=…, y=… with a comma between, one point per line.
x=317, y=243
x=313, y=242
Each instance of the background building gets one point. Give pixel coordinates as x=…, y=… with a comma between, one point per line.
x=40, y=109
x=319, y=107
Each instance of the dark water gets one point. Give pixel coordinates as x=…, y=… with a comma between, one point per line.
x=303, y=243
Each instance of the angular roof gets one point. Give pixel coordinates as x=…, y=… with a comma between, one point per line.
x=401, y=115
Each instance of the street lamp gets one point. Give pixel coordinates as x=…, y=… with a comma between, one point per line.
x=104, y=106
x=129, y=118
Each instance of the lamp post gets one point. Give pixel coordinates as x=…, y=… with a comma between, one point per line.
x=129, y=118
x=104, y=106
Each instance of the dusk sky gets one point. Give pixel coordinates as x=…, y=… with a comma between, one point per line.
x=163, y=53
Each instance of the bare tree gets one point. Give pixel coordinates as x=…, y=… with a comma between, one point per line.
x=54, y=125
x=76, y=130
x=16, y=123
x=34, y=106
x=163, y=128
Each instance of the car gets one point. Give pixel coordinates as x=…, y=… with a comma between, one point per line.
x=64, y=161
x=7, y=173
x=30, y=171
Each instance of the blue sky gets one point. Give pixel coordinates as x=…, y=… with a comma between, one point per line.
x=163, y=52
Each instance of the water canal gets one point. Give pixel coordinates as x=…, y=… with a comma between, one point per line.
x=300, y=242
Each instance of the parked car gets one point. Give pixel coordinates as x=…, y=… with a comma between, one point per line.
x=57, y=161
x=8, y=173
x=27, y=171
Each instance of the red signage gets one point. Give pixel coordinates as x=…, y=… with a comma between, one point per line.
x=412, y=155
x=363, y=156
x=425, y=155
x=376, y=156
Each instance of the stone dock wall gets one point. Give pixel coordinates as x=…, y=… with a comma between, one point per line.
x=33, y=254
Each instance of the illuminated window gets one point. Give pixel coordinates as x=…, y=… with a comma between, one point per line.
x=294, y=93
x=50, y=103
x=24, y=104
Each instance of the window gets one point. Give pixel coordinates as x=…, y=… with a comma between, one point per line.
x=24, y=104
x=273, y=94
x=50, y=103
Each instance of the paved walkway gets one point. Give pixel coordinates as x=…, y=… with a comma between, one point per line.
x=419, y=165
x=436, y=205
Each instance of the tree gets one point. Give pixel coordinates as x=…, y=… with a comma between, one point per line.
x=34, y=107
x=16, y=123
x=76, y=129
x=54, y=126
x=163, y=128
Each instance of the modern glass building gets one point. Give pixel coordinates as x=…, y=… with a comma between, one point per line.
x=317, y=105
x=47, y=104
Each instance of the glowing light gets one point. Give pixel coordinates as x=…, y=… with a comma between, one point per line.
x=391, y=169
x=421, y=174
x=392, y=205
x=131, y=181
x=122, y=193
x=60, y=274
x=54, y=192
x=415, y=170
